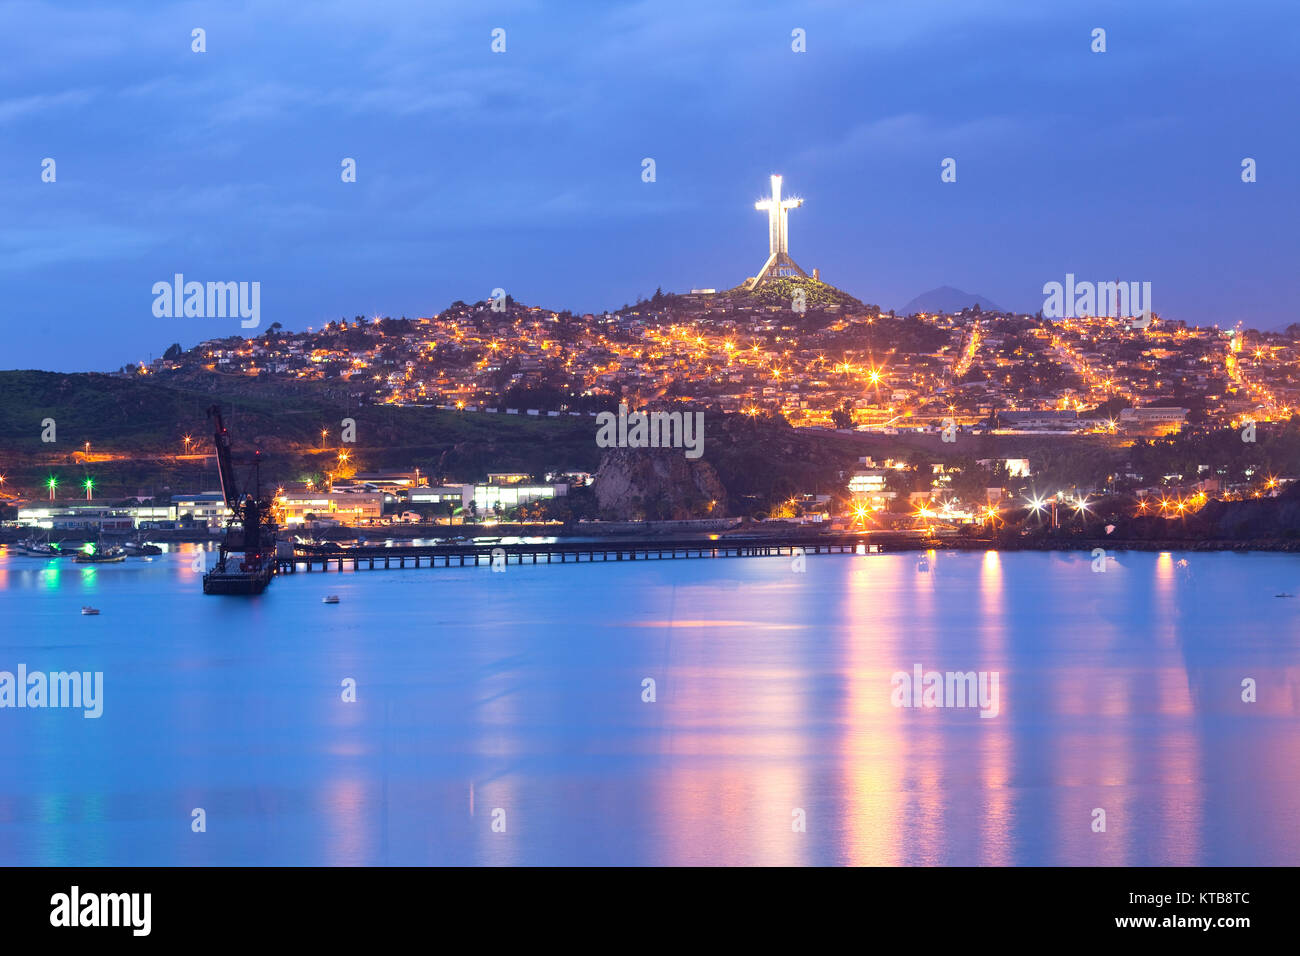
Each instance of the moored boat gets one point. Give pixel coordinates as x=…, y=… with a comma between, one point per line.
x=101, y=555
x=39, y=549
x=141, y=548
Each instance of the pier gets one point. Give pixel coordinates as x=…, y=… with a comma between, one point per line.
x=568, y=552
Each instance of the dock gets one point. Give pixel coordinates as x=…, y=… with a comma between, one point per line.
x=568, y=552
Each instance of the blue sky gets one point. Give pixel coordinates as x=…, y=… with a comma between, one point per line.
x=522, y=170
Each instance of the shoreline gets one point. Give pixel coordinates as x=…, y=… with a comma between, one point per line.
x=888, y=541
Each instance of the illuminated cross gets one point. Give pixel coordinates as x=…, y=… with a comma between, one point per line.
x=778, y=262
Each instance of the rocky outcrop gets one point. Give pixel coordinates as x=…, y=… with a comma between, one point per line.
x=657, y=484
x=1275, y=518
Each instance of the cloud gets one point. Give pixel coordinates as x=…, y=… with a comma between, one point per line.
x=42, y=103
x=27, y=248
x=908, y=132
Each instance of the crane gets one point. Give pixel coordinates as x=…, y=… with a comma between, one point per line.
x=255, y=535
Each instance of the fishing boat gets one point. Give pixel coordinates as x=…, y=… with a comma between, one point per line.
x=141, y=548
x=89, y=611
x=100, y=553
x=39, y=549
x=330, y=599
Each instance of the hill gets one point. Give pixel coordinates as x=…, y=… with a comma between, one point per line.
x=947, y=299
x=141, y=423
x=779, y=292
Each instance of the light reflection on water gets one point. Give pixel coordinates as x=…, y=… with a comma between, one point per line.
x=516, y=698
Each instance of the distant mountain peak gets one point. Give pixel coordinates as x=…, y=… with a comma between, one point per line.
x=947, y=299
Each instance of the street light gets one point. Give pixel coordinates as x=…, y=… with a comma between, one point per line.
x=187, y=439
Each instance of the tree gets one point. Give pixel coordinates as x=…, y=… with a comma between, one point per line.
x=174, y=351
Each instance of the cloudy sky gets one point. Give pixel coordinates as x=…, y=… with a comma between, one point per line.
x=522, y=169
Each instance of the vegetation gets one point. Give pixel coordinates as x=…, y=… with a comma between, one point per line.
x=817, y=294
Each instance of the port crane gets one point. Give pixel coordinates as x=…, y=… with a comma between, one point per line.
x=251, y=531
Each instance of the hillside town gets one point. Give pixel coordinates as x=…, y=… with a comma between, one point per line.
x=1140, y=385
x=836, y=365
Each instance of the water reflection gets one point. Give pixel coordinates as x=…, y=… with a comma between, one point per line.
x=477, y=692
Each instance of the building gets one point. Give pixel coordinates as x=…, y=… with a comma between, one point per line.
x=868, y=482
x=1154, y=419
x=578, y=478
x=1044, y=420
x=438, y=494
x=96, y=518
x=346, y=507
x=207, y=508
x=392, y=482
x=488, y=499
x=1016, y=467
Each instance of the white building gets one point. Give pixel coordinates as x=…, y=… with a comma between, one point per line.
x=489, y=498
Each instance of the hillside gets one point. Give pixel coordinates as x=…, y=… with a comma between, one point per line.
x=781, y=292
x=141, y=423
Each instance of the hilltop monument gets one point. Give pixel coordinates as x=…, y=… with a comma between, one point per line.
x=778, y=262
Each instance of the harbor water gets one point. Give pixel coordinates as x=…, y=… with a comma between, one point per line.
x=729, y=711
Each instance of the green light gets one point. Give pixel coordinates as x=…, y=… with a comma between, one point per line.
x=52, y=483
x=88, y=483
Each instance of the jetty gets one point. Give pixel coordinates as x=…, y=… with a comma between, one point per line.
x=377, y=558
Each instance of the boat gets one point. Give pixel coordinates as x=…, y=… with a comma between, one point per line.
x=1284, y=594
x=141, y=548
x=330, y=599
x=89, y=611
x=40, y=549
x=101, y=555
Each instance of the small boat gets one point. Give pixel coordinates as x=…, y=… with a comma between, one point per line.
x=330, y=599
x=89, y=611
x=141, y=548
x=1284, y=594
